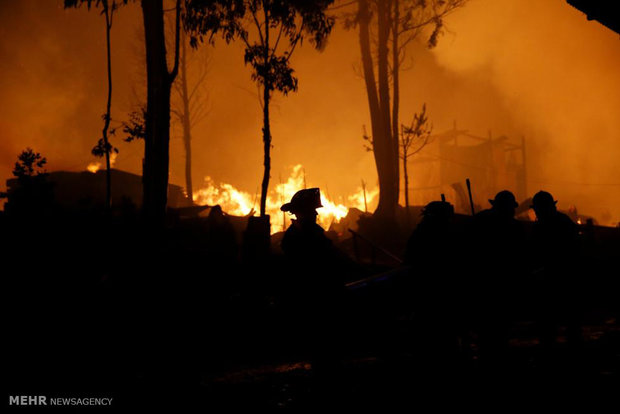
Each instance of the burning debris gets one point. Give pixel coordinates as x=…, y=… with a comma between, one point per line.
x=241, y=203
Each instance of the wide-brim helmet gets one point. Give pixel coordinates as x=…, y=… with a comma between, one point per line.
x=309, y=198
x=543, y=199
x=438, y=210
x=504, y=199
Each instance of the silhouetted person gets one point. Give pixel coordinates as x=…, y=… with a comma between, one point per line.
x=496, y=254
x=432, y=252
x=554, y=234
x=427, y=244
x=555, y=251
x=316, y=277
x=498, y=230
x=305, y=239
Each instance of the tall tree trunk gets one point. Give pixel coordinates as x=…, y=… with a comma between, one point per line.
x=187, y=133
x=379, y=105
x=405, y=149
x=266, y=127
x=406, y=189
x=373, y=98
x=396, y=90
x=267, y=150
x=107, y=118
x=384, y=29
x=157, y=125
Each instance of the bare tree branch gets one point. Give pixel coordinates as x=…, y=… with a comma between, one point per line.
x=275, y=46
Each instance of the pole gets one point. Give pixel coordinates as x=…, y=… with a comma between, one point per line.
x=282, y=202
x=471, y=200
x=364, y=190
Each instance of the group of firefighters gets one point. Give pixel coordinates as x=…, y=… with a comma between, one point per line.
x=472, y=276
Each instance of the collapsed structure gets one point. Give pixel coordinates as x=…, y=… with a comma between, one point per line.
x=491, y=163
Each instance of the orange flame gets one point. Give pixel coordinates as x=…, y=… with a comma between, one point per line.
x=93, y=167
x=357, y=200
x=240, y=203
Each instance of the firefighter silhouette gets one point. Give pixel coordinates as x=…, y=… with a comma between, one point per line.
x=316, y=277
x=305, y=240
x=433, y=253
x=497, y=256
x=555, y=248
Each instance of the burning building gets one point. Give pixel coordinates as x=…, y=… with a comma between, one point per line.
x=491, y=163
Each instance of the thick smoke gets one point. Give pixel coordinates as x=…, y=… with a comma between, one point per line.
x=531, y=68
x=558, y=75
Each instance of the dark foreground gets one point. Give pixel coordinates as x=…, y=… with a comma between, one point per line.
x=156, y=320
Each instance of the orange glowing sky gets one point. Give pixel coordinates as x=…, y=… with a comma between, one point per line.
x=516, y=67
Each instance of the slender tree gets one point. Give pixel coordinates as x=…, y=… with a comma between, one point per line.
x=103, y=147
x=413, y=138
x=190, y=107
x=270, y=30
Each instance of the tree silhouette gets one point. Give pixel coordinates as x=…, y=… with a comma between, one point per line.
x=187, y=100
x=270, y=30
x=134, y=128
x=396, y=24
x=157, y=119
x=413, y=138
x=33, y=193
x=29, y=164
x=103, y=147
x=156, y=131
x=189, y=107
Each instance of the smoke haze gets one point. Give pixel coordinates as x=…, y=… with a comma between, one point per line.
x=531, y=68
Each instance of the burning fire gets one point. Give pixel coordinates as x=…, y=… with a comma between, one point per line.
x=240, y=203
x=93, y=167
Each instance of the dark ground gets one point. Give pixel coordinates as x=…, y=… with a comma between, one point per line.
x=157, y=320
